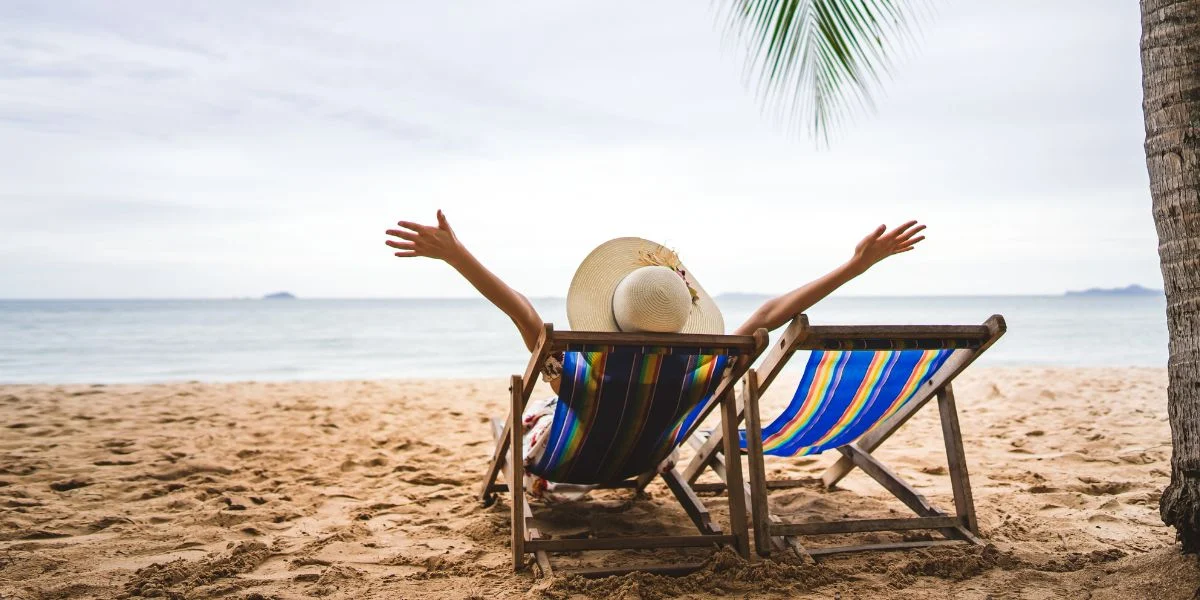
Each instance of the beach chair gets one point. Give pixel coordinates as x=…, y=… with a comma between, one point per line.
x=626, y=402
x=861, y=383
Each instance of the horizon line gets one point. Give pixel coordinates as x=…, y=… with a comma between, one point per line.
x=716, y=296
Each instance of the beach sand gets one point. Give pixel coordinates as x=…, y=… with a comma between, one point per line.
x=368, y=490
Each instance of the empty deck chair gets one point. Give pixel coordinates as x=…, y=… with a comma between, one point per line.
x=861, y=383
x=626, y=402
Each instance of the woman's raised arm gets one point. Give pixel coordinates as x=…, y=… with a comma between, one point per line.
x=878, y=245
x=440, y=242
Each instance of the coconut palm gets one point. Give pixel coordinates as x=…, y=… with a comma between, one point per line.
x=818, y=61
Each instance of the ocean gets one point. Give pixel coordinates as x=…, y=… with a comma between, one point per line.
x=119, y=341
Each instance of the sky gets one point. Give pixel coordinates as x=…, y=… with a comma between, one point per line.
x=169, y=149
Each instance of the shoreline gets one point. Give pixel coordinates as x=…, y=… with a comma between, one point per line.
x=979, y=366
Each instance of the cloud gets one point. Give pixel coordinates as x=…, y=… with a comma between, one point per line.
x=210, y=149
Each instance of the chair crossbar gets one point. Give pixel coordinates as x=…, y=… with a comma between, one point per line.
x=672, y=570
x=726, y=344
x=617, y=543
x=863, y=525
x=815, y=552
x=951, y=335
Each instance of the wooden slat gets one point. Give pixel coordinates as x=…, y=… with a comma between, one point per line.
x=537, y=360
x=902, y=332
x=758, y=474
x=733, y=474
x=691, y=502
x=950, y=369
x=782, y=350
x=562, y=339
x=617, y=543
x=965, y=535
x=788, y=484
x=861, y=525
x=644, y=480
x=880, y=547
x=897, y=486
x=673, y=570
x=772, y=484
x=516, y=476
x=542, y=559
x=890, y=481
x=960, y=480
x=821, y=336
x=486, y=492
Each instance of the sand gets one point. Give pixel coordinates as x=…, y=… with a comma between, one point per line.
x=367, y=490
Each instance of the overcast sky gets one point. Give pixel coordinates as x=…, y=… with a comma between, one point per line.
x=218, y=149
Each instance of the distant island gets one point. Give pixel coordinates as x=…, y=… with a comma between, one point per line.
x=279, y=296
x=1130, y=290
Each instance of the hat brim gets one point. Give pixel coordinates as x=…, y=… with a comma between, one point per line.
x=589, y=299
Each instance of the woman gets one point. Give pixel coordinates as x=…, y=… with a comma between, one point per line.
x=630, y=284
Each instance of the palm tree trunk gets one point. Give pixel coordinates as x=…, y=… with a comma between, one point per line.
x=1171, y=103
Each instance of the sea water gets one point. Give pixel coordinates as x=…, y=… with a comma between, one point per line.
x=112, y=341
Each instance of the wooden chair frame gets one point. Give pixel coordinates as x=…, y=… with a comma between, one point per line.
x=772, y=532
x=507, y=458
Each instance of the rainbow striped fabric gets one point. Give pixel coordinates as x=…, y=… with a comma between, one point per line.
x=844, y=394
x=621, y=411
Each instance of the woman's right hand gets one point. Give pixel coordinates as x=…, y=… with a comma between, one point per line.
x=426, y=240
x=881, y=243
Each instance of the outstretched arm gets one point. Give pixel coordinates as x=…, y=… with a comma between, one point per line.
x=440, y=242
x=878, y=245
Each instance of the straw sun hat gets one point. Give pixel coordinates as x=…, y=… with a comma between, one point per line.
x=631, y=284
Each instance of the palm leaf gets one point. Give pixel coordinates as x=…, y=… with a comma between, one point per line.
x=818, y=60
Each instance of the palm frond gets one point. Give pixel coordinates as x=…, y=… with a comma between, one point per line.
x=819, y=60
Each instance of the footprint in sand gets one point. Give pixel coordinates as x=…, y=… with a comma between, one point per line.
x=1103, y=488
x=70, y=484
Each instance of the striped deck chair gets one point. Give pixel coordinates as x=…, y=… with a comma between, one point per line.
x=861, y=383
x=626, y=402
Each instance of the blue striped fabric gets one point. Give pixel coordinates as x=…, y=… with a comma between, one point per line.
x=621, y=413
x=844, y=394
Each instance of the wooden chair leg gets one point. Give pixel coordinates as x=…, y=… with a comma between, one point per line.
x=733, y=475
x=691, y=502
x=487, y=494
x=758, y=470
x=960, y=481
x=711, y=446
x=516, y=483
x=899, y=488
x=543, y=559
x=890, y=481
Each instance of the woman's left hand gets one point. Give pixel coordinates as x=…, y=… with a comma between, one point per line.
x=881, y=243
